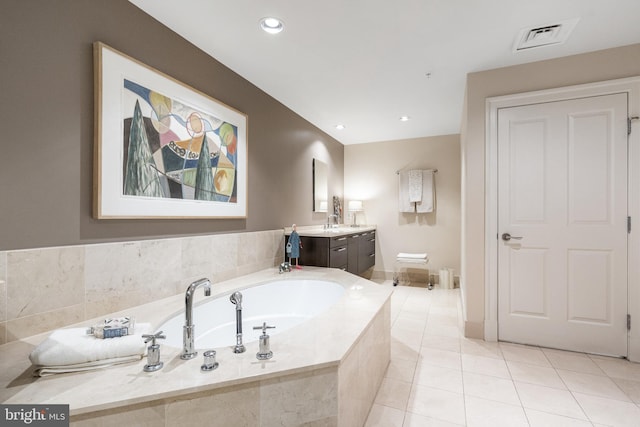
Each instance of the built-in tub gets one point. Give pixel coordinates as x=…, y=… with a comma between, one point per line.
x=325, y=371
x=281, y=303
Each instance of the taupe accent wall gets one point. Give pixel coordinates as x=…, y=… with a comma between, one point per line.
x=46, y=117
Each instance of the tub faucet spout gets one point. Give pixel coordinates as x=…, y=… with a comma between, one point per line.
x=188, y=350
x=236, y=298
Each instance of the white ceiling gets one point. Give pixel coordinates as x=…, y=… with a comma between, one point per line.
x=364, y=63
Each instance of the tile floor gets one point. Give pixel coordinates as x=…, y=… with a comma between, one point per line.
x=439, y=378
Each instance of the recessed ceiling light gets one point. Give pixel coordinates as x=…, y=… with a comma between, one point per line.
x=404, y=118
x=271, y=25
x=340, y=126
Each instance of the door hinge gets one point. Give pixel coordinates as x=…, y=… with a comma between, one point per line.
x=628, y=225
x=629, y=120
x=628, y=322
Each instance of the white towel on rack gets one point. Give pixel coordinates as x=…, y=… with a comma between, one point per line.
x=404, y=205
x=428, y=193
x=415, y=185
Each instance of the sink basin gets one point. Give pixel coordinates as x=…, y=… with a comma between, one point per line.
x=334, y=230
x=319, y=231
x=325, y=231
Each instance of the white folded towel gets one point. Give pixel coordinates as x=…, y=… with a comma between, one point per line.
x=412, y=261
x=44, y=371
x=416, y=191
x=71, y=347
x=418, y=256
x=426, y=204
x=404, y=205
x=415, y=185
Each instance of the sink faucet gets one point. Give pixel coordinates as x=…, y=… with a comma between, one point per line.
x=188, y=351
x=335, y=219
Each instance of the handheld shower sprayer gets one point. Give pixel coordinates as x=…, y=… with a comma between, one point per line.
x=236, y=298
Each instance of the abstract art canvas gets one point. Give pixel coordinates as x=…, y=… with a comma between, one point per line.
x=163, y=149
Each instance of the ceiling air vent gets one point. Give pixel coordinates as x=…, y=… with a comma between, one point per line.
x=545, y=35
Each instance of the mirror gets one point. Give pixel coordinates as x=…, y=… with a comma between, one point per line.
x=320, y=186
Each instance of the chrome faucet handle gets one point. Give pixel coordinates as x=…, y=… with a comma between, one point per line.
x=284, y=267
x=264, y=352
x=153, y=352
x=264, y=328
x=153, y=337
x=210, y=362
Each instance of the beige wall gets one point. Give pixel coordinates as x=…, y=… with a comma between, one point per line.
x=370, y=176
x=578, y=69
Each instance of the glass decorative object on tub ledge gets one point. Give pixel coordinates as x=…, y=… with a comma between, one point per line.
x=354, y=207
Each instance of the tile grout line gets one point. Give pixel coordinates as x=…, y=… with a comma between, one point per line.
x=464, y=395
x=440, y=302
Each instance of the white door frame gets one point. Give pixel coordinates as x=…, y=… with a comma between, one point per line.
x=631, y=86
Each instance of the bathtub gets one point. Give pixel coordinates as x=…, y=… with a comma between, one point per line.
x=324, y=371
x=281, y=303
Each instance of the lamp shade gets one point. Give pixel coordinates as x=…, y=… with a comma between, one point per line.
x=355, y=205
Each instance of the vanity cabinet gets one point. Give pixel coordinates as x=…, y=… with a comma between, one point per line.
x=367, y=250
x=352, y=252
x=338, y=252
x=353, y=246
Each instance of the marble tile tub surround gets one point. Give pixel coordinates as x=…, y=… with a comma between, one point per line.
x=322, y=359
x=48, y=288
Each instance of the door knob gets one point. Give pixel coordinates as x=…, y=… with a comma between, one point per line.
x=506, y=237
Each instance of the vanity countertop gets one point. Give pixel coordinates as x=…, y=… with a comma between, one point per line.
x=321, y=231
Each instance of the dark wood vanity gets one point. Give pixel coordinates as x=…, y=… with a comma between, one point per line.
x=349, y=249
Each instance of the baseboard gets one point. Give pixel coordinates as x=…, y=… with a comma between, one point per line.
x=379, y=275
x=474, y=330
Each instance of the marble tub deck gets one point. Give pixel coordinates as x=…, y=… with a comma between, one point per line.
x=325, y=371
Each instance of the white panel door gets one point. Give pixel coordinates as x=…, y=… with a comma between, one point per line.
x=562, y=197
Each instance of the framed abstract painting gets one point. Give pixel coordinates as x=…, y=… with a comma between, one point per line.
x=163, y=149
